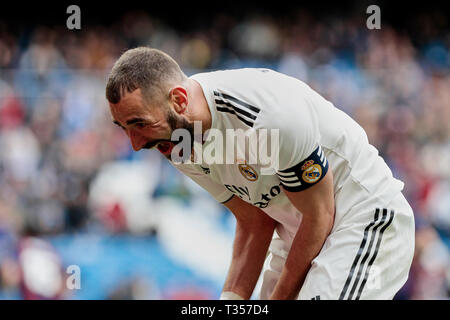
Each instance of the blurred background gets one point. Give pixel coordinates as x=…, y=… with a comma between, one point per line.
x=73, y=194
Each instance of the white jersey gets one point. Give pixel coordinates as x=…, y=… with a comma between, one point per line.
x=310, y=127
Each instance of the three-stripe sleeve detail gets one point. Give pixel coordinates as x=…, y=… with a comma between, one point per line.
x=244, y=111
x=306, y=173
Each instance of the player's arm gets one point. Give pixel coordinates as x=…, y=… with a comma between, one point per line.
x=254, y=230
x=317, y=206
x=306, y=178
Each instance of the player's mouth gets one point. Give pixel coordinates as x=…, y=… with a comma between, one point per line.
x=165, y=147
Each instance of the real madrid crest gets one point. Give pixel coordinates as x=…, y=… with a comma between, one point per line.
x=312, y=172
x=248, y=172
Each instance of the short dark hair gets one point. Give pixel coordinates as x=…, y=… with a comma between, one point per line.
x=143, y=68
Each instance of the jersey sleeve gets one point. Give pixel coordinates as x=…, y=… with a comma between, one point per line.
x=218, y=191
x=302, y=162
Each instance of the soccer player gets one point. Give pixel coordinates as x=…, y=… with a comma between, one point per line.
x=329, y=223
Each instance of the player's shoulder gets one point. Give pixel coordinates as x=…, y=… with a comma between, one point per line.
x=259, y=97
x=234, y=76
x=234, y=91
x=253, y=85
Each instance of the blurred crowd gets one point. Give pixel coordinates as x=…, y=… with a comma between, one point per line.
x=56, y=133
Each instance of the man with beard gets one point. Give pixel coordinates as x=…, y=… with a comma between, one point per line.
x=332, y=216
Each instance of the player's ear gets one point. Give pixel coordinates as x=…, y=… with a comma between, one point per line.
x=179, y=98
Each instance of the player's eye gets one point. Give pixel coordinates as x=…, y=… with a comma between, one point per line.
x=140, y=125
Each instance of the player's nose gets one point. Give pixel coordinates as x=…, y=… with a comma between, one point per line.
x=137, y=140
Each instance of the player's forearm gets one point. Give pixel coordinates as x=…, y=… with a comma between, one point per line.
x=249, y=252
x=306, y=245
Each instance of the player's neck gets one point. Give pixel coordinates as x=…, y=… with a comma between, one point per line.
x=200, y=109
